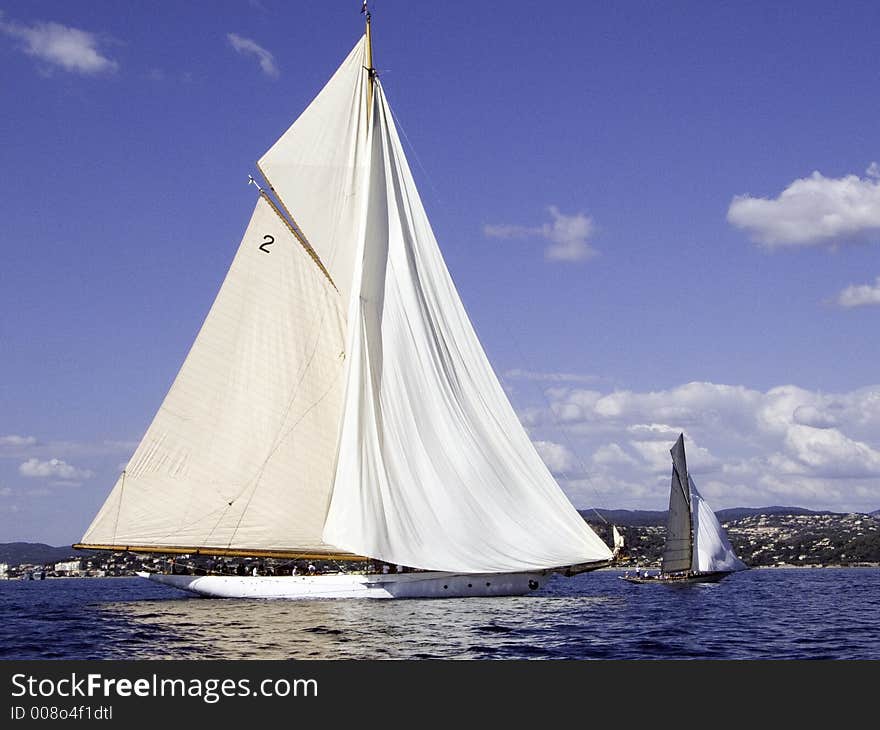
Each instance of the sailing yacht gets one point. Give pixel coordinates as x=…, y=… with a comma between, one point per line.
x=697, y=549
x=336, y=405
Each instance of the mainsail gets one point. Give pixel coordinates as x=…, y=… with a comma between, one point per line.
x=337, y=397
x=678, y=551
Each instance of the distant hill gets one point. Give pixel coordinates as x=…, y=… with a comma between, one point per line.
x=37, y=553
x=626, y=517
x=645, y=518
x=737, y=513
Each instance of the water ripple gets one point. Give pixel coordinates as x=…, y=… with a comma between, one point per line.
x=759, y=614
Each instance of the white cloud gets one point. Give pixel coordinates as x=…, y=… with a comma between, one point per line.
x=13, y=441
x=247, y=46
x=557, y=457
x=657, y=431
x=828, y=452
x=54, y=468
x=73, y=449
x=121, y=445
x=521, y=374
x=812, y=211
x=785, y=445
x=860, y=295
x=610, y=454
x=568, y=235
x=674, y=409
x=5, y=492
x=70, y=48
x=572, y=405
x=656, y=457
x=815, y=416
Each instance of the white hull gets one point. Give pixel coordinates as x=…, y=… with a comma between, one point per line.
x=348, y=585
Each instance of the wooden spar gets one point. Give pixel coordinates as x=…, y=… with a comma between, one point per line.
x=294, y=230
x=221, y=552
x=570, y=570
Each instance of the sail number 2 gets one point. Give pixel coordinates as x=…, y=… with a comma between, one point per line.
x=267, y=241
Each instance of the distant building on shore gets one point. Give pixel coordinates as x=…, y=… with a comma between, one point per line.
x=69, y=567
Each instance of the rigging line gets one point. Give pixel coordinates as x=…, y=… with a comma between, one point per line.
x=571, y=448
x=413, y=148
x=176, y=531
x=119, y=505
x=283, y=436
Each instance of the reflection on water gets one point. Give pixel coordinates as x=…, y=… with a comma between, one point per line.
x=787, y=614
x=342, y=629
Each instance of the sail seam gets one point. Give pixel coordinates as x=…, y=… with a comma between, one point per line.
x=283, y=436
x=294, y=228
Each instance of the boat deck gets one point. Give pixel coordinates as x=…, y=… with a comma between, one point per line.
x=676, y=578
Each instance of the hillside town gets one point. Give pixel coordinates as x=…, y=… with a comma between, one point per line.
x=760, y=540
x=778, y=540
x=118, y=564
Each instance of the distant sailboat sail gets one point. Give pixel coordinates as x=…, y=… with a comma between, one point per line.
x=616, y=540
x=678, y=551
x=337, y=399
x=712, y=549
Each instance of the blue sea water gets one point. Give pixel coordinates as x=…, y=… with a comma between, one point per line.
x=822, y=613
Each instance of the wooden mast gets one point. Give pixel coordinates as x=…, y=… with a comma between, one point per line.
x=369, y=59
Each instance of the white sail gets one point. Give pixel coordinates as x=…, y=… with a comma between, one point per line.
x=240, y=455
x=712, y=550
x=616, y=539
x=435, y=470
x=677, y=551
x=318, y=165
x=337, y=397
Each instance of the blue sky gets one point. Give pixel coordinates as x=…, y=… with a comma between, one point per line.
x=661, y=217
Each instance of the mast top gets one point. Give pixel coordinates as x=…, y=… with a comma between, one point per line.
x=369, y=58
